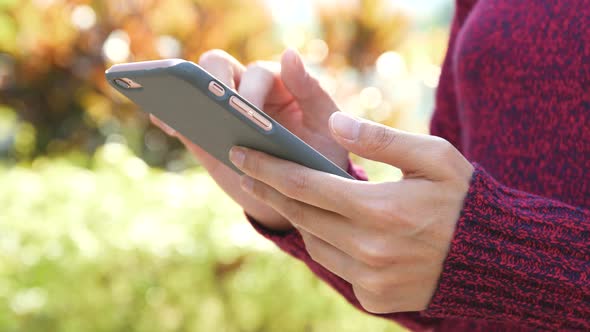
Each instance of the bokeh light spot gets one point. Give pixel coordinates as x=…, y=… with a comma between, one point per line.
x=169, y=47
x=371, y=97
x=116, y=47
x=317, y=50
x=391, y=65
x=83, y=17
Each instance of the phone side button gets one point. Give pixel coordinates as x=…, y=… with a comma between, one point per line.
x=250, y=113
x=262, y=122
x=216, y=89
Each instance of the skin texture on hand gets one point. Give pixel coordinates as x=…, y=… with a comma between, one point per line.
x=291, y=96
x=389, y=240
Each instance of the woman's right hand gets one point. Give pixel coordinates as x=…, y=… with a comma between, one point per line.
x=287, y=93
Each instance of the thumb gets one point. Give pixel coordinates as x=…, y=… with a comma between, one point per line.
x=306, y=89
x=412, y=153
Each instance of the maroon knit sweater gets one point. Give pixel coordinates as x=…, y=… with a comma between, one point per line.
x=514, y=99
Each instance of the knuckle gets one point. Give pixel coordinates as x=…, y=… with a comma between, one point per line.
x=260, y=191
x=389, y=214
x=372, y=282
x=252, y=163
x=447, y=150
x=374, y=303
x=312, y=248
x=374, y=253
x=394, y=218
x=376, y=138
x=440, y=148
x=379, y=308
x=456, y=166
x=297, y=183
x=384, y=213
x=294, y=212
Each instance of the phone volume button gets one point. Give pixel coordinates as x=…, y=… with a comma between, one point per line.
x=250, y=113
x=263, y=122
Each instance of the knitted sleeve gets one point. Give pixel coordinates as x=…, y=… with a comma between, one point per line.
x=445, y=120
x=517, y=257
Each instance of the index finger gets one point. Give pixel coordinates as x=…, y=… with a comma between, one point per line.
x=223, y=66
x=313, y=99
x=257, y=81
x=320, y=189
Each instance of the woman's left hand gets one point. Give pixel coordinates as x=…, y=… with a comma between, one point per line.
x=389, y=240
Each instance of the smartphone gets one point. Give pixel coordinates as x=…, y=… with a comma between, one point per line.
x=210, y=114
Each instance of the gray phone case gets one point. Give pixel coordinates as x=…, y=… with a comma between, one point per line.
x=179, y=95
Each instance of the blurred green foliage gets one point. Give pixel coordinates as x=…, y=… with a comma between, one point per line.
x=123, y=247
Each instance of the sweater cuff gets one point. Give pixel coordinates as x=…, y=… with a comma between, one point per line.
x=285, y=239
x=468, y=283
x=459, y=284
x=495, y=265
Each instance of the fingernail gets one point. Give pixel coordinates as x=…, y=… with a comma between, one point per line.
x=345, y=125
x=247, y=183
x=237, y=156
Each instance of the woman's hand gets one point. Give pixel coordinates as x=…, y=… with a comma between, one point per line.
x=291, y=96
x=389, y=240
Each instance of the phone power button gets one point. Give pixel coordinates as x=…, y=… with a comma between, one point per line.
x=216, y=89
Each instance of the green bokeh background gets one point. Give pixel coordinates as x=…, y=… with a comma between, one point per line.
x=106, y=224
